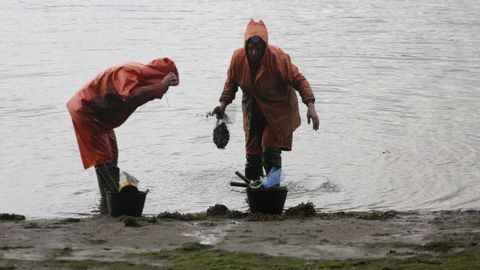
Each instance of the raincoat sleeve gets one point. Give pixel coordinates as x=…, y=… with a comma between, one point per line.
x=231, y=86
x=129, y=86
x=290, y=75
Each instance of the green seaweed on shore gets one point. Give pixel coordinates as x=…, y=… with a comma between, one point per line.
x=197, y=256
x=438, y=246
x=93, y=264
x=11, y=217
x=450, y=219
x=301, y=210
x=179, y=216
x=193, y=246
x=219, y=211
x=216, y=212
x=456, y=241
x=210, y=258
x=14, y=247
x=373, y=215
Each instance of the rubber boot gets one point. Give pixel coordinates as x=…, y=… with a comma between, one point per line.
x=271, y=158
x=108, y=175
x=253, y=167
x=115, y=173
x=106, y=172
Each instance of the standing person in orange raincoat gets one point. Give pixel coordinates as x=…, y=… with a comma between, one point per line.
x=268, y=80
x=106, y=102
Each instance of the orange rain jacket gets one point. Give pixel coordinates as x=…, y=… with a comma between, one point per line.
x=273, y=88
x=107, y=101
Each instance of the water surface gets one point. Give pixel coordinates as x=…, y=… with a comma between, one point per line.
x=397, y=87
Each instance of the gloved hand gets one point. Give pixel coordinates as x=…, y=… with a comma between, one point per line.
x=219, y=111
x=169, y=80
x=312, y=116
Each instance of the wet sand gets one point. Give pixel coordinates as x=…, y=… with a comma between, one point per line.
x=26, y=243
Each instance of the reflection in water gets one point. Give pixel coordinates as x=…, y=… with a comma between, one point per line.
x=396, y=84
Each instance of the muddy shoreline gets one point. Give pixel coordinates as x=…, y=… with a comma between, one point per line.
x=303, y=234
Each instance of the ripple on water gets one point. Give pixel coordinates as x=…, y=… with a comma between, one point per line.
x=411, y=94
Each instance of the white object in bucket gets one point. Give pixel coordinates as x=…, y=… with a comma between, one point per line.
x=127, y=182
x=274, y=177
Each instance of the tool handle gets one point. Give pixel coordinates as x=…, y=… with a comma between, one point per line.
x=245, y=179
x=238, y=184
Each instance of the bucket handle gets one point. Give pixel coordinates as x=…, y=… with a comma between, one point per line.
x=245, y=179
x=238, y=184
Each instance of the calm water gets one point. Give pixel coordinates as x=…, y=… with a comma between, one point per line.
x=397, y=84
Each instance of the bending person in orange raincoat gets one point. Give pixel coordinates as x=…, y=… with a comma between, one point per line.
x=106, y=102
x=268, y=80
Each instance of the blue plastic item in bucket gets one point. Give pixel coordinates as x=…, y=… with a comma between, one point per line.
x=274, y=177
x=126, y=203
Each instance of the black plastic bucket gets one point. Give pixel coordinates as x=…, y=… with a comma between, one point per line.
x=269, y=201
x=126, y=203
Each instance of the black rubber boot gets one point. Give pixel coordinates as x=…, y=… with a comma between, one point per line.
x=108, y=177
x=271, y=158
x=115, y=173
x=253, y=167
x=102, y=208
